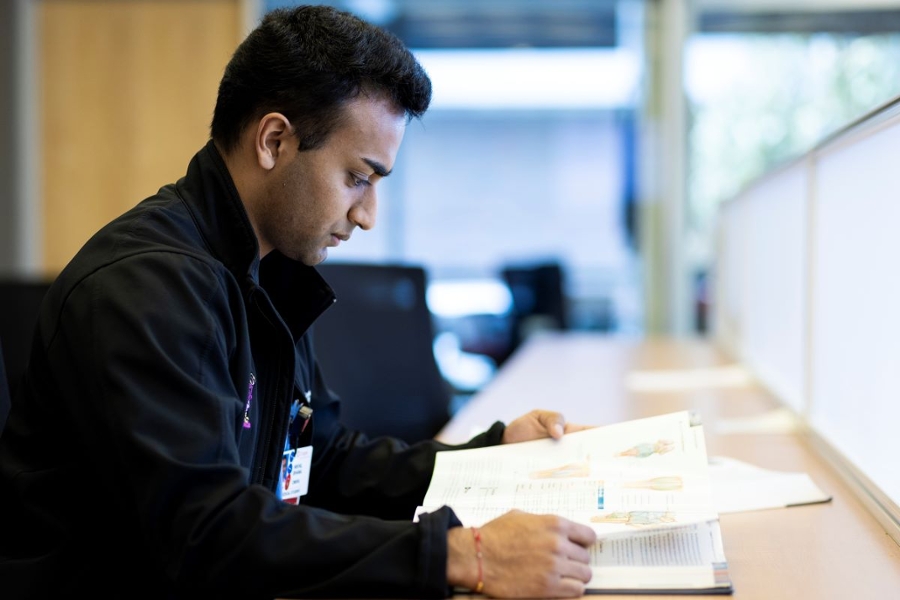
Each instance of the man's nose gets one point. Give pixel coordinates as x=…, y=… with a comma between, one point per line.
x=363, y=212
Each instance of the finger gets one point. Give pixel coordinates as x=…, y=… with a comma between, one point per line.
x=577, y=571
x=578, y=553
x=569, y=587
x=557, y=431
x=553, y=422
x=572, y=427
x=583, y=535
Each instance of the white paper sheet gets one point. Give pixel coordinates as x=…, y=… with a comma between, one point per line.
x=738, y=486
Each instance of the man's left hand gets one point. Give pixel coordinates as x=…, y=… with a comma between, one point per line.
x=539, y=424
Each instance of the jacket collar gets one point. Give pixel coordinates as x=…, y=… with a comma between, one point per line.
x=297, y=291
x=219, y=213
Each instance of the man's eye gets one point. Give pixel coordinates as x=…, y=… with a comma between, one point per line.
x=357, y=181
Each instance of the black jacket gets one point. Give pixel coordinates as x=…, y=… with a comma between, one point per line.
x=126, y=468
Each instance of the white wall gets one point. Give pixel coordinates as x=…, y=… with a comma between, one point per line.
x=762, y=266
x=855, y=378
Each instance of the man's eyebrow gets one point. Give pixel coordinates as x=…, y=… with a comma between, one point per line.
x=379, y=168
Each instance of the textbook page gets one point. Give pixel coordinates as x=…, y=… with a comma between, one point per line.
x=642, y=485
x=688, y=557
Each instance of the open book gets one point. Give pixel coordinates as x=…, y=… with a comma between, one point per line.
x=643, y=485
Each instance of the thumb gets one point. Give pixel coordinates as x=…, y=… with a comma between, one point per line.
x=554, y=423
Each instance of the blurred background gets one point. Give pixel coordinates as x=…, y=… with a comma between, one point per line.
x=567, y=175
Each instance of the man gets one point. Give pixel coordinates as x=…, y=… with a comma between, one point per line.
x=172, y=373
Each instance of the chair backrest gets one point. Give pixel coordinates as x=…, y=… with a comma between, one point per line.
x=375, y=349
x=5, y=400
x=539, y=297
x=20, y=303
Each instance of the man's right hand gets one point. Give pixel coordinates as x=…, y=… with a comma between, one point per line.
x=523, y=556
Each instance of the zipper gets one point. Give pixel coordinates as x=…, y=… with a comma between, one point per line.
x=275, y=399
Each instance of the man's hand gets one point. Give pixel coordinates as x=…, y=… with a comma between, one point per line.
x=523, y=556
x=539, y=424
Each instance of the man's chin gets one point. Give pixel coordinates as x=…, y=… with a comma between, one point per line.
x=316, y=259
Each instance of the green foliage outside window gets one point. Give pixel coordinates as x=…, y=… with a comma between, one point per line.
x=758, y=101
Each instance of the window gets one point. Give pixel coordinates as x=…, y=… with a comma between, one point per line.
x=760, y=98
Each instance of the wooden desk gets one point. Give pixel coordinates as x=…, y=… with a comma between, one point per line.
x=824, y=551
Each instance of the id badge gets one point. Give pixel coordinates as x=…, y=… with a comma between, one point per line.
x=295, y=466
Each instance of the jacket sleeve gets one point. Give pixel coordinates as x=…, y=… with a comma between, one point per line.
x=383, y=477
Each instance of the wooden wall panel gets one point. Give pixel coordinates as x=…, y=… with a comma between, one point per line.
x=127, y=89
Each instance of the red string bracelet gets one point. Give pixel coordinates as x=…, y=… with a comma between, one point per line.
x=477, y=535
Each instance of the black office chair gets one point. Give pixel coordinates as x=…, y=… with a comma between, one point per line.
x=5, y=399
x=20, y=303
x=375, y=348
x=538, y=296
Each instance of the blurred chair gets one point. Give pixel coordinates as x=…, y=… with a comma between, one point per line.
x=375, y=347
x=5, y=400
x=538, y=297
x=20, y=302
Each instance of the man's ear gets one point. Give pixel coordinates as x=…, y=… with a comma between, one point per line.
x=273, y=134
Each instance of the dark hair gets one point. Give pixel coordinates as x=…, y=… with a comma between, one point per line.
x=307, y=62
